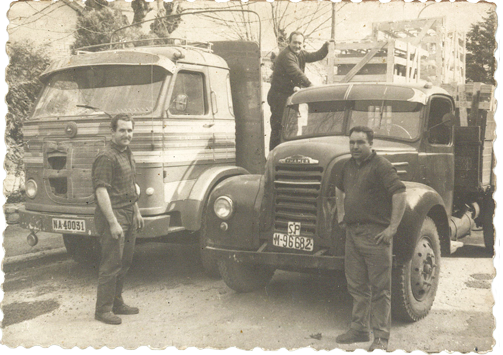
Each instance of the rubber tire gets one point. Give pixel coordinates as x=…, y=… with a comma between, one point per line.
x=488, y=223
x=403, y=303
x=210, y=263
x=83, y=249
x=243, y=277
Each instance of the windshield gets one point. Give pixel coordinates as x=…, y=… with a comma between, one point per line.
x=112, y=89
x=394, y=119
x=314, y=119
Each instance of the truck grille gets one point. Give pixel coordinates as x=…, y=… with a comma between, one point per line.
x=67, y=168
x=296, y=191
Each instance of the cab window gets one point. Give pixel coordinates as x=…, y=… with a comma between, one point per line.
x=438, y=133
x=188, y=96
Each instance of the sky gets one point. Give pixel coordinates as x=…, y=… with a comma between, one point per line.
x=353, y=20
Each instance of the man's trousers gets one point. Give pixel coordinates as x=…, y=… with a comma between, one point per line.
x=368, y=269
x=116, y=258
x=277, y=102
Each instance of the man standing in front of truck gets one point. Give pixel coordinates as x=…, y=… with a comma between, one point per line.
x=374, y=203
x=288, y=73
x=117, y=217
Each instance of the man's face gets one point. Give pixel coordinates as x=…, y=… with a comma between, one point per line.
x=124, y=133
x=359, y=146
x=296, y=43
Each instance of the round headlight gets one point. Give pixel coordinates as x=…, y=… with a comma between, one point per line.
x=31, y=188
x=149, y=191
x=223, y=207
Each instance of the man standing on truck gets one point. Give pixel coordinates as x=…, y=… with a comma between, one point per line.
x=117, y=217
x=374, y=203
x=288, y=73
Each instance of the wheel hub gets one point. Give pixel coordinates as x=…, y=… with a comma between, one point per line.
x=422, y=269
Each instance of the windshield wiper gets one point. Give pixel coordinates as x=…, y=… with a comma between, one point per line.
x=96, y=109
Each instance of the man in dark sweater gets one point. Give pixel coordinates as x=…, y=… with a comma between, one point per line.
x=288, y=73
x=374, y=203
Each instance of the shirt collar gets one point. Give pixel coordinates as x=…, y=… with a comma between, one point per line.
x=369, y=158
x=290, y=49
x=116, y=147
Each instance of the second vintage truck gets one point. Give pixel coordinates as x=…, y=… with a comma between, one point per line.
x=286, y=218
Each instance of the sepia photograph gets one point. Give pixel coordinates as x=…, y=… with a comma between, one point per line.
x=256, y=175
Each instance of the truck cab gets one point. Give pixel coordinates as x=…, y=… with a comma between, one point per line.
x=287, y=217
x=191, y=123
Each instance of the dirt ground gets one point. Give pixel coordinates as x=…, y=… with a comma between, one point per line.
x=53, y=303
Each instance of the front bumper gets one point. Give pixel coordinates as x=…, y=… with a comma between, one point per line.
x=289, y=261
x=156, y=226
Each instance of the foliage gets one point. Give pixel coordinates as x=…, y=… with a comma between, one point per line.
x=163, y=25
x=480, y=45
x=140, y=9
x=286, y=19
x=96, y=4
x=101, y=22
x=26, y=64
x=98, y=27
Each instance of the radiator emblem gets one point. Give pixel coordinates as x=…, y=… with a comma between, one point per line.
x=298, y=159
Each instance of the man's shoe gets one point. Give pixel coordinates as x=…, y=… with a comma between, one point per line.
x=125, y=309
x=353, y=336
x=108, y=318
x=379, y=343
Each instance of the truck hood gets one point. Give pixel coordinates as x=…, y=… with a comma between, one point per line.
x=312, y=151
x=299, y=185
x=323, y=150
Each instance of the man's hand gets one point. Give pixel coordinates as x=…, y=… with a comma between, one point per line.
x=116, y=230
x=385, y=237
x=138, y=222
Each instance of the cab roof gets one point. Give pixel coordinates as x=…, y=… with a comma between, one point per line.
x=367, y=91
x=163, y=56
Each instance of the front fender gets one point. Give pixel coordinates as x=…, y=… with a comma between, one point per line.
x=242, y=230
x=421, y=201
x=193, y=206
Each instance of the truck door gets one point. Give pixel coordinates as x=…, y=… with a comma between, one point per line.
x=437, y=160
x=188, y=133
x=224, y=128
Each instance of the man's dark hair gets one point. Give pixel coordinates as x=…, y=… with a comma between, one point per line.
x=367, y=130
x=122, y=117
x=295, y=33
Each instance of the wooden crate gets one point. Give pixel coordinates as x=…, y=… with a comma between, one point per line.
x=446, y=62
x=464, y=95
x=483, y=119
x=378, y=61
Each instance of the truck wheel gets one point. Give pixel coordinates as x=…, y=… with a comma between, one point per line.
x=488, y=223
x=415, y=281
x=83, y=249
x=243, y=277
x=209, y=262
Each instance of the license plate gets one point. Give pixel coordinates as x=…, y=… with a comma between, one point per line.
x=68, y=225
x=293, y=242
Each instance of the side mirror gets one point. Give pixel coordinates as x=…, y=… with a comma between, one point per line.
x=448, y=119
x=181, y=102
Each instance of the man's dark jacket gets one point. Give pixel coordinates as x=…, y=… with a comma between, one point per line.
x=289, y=69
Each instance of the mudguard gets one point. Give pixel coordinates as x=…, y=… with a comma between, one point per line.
x=194, y=205
x=421, y=201
x=243, y=225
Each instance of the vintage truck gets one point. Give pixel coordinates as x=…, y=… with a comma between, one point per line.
x=286, y=218
x=197, y=108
